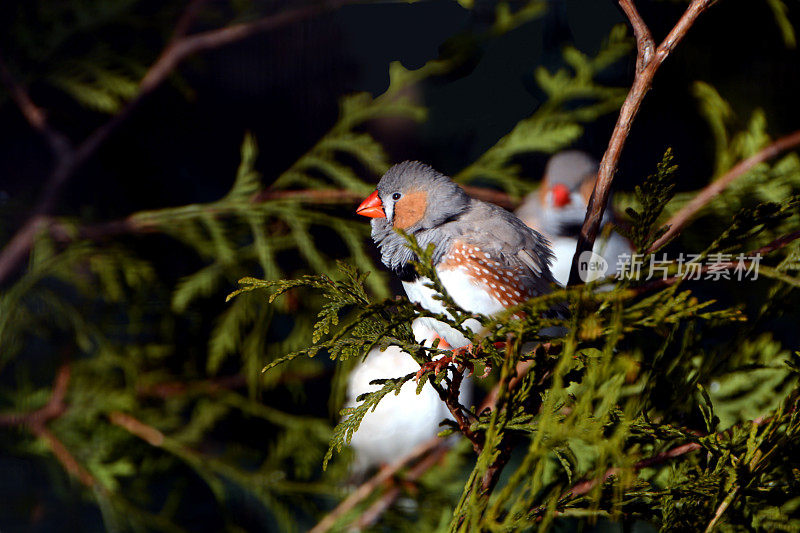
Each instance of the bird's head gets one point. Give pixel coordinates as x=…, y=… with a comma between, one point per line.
x=565, y=191
x=413, y=197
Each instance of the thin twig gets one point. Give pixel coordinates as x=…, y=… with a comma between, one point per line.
x=67, y=460
x=648, y=63
x=36, y=422
x=777, y=244
x=369, y=517
x=367, y=488
x=68, y=160
x=722, y=508
x=58, y=142
x=677, y=221
x=450, y=396
x=344, y=196
x=135, y=224
x=169, y=389
x=492, y=196
x=645, y=45
x=186, y=19
x=136, y=427
x=54, y=407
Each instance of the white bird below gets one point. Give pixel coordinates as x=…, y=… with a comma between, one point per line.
x=400, y=422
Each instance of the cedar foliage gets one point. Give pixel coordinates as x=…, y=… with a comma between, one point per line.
x=588, y=433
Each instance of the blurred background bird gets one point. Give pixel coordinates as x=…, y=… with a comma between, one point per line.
x=400, y=422
x=558, y=208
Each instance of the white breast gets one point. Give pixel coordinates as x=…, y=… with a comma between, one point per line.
x=470, y=295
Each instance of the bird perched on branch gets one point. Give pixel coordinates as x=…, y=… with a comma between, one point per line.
x=399, y=422
x=559, y=208
x=486, y=258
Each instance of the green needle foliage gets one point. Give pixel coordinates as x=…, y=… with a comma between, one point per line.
x=136, y=394
x=587, y=417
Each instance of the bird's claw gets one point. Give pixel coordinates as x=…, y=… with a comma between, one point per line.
x=437, y=366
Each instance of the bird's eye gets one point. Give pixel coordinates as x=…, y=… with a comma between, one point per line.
x=396, y=196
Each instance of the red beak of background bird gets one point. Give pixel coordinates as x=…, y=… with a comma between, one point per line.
x=560, y=195
x=372, y=207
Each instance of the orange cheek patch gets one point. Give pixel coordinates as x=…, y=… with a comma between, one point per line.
x=410, y=209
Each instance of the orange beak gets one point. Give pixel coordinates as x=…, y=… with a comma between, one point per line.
x=560, y=195
x=372, y=207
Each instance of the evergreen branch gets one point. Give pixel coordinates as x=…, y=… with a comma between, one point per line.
x=499, y=419
x=677, y=221
x=648, y=62
x=136, y=224
x=652, y=196
x=369, y=517
x=68, y=159
x=352, y=417
x=368, y=487
x=777, y=244
x=54, y=407
x=584, y=487
x=36, y=421
x=431, y=451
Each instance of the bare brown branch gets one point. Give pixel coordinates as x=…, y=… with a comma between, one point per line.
x=68, y=160
x=36, y=422
x=67, y=460
x=677, y=222
x=58, y=143
x=648, y=63
x=184, y=24
x=133, y=224
x=367, y=488
x=491, y=195
x=54, y=407
x=136, y=427
x=374, y=512
x=771, y=247
x=645, y=45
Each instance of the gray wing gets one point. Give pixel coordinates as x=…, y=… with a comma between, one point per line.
x=516, y=246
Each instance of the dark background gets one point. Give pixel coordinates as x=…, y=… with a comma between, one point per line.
x=183, y=147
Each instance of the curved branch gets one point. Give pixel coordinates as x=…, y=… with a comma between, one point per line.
x=365, y=489
x=36, y=422
x=777, y=244
x=54, y=407
x=647, y=64
x=645, y=45
x=36, y=117
x=68, y=159
x=677, y=221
